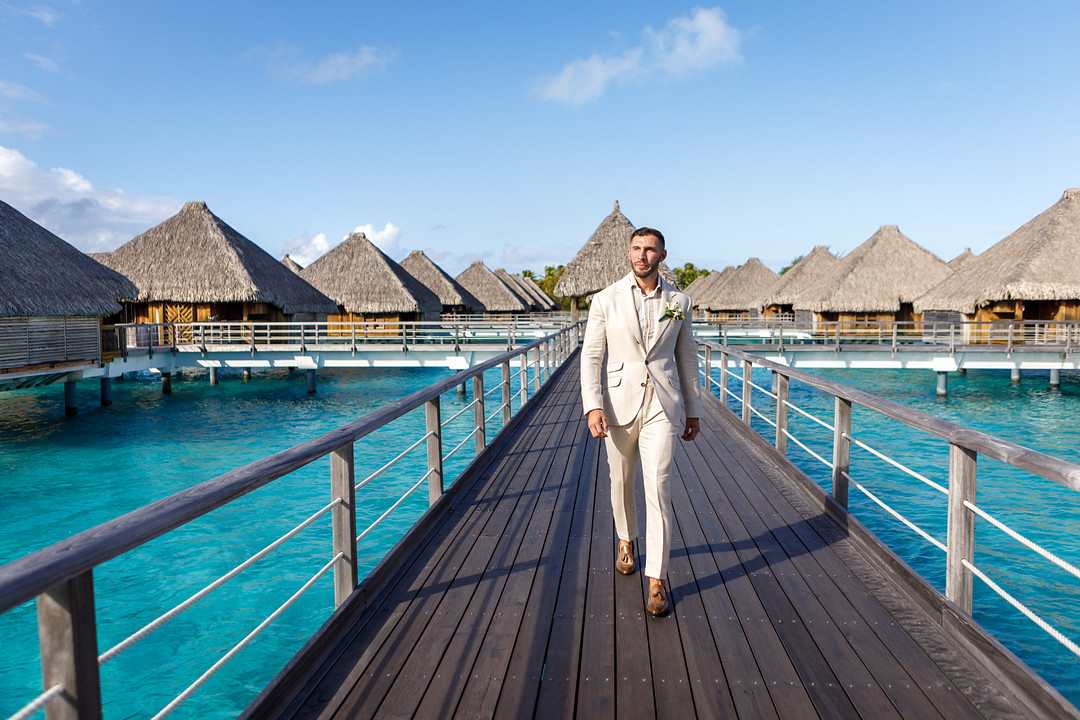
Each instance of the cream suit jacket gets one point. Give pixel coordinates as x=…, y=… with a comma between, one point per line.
x=671, y=362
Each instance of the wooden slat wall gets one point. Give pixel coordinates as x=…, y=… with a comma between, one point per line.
x=42, y=340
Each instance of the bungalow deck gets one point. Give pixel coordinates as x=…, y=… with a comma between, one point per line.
x=508, y=605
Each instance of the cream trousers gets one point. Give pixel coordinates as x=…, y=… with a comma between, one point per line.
x=650, y=439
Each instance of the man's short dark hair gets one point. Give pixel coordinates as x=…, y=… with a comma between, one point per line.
x=647, y=232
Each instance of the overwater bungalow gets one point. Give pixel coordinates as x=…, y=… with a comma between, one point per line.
x=530, y=284
x=291, y=264
x=367, y=286
x=194, y=267
x=534, y=292
x=1032, y=274
x=536, y=300
x=601, y=261
x=490, y=290
x=804, y=275
x=876, y=282
x=53, y=300
x=740, y=294
x=455, y=299
x=702, y=286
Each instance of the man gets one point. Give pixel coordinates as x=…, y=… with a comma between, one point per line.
x=650, y=392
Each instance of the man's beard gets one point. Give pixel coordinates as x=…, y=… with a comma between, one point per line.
x=647, y=273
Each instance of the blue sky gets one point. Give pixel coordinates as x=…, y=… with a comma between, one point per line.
x=505, y=131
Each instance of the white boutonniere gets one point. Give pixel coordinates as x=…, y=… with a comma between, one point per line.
x=673, y=311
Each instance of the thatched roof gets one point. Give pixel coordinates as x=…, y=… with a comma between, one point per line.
x=291, y=264
x=438, y=281
x=195, y=257
x=702, y=286
x=802, y=276
x=962, y=259
x=530, y=286
x=519, y=293
x=43, y=276
x=885, y=271
x=603, y=259
x=744, y=288
x=1036, y=262
x=360, y=278
x=489, y=289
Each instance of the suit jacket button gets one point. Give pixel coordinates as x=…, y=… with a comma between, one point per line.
x=642, y=384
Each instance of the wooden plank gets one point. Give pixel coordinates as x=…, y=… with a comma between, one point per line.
x=596, y=678
x=484, y=686
x=361, y=644
x=462, y=658
x=761, y=677
x=866, y=692
x=399, y=671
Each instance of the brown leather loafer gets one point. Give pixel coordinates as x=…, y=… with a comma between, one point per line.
x=624, y=558
x=658, y=603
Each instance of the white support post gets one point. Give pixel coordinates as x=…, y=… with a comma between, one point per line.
x=524, y=376
x=723, y=378
x=748, y=371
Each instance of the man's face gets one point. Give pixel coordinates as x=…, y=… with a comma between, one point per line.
x=646, y=255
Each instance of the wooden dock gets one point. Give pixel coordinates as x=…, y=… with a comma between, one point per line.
x=507, y=603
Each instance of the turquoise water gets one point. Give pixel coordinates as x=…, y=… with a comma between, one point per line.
x=61, y=475
x=1029, y=413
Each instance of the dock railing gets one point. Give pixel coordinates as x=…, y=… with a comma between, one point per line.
x=965, y=446
x=895, y=335
x=61, y=577
x=453, y=332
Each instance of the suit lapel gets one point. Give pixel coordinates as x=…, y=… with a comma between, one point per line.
x=661, y=326
x=628, y=311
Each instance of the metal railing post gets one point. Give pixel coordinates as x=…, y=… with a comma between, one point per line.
x=747, y=369
x=841, y=450
x=506, y=393
x=781, y=413
x=959, y=581
x=67, y=631
x=343, y=517
x=708, y=368
x=478, y=413
x=434, y=449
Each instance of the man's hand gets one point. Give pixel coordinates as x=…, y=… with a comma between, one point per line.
x=598, y=423
x=692, y=427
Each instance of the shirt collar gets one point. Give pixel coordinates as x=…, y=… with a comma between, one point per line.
x=637, y=290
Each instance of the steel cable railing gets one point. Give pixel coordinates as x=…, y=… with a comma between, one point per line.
x=60, y=568
x=965, y=444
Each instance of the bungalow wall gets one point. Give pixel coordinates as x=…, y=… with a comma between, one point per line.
x=375, y=325
x=1006, y=310
x=869, y=322
x=34, y=343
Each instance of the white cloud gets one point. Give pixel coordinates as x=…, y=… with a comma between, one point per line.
x=699, y=42
x=63, y=201
x=43, y=63
x=285, y=64
x=18, y=125
x=306, y=250
x=44, y=13
x=15, y=91
x=386, y=239
x=685, y=46
x=583, y=81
